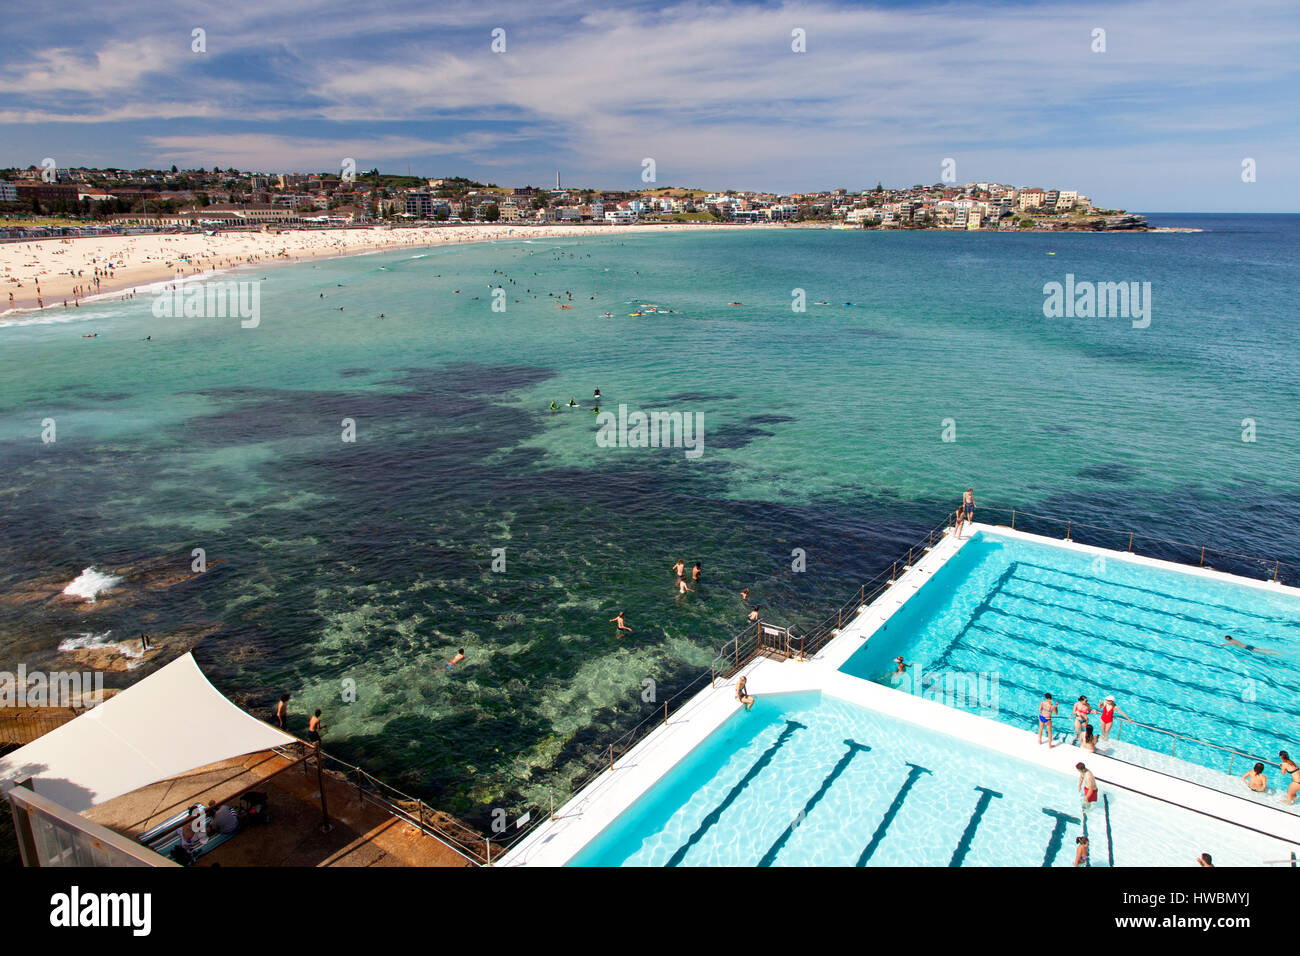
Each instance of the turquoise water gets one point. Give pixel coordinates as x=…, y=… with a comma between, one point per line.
x=1032, y=618
x=807, y=780
x=364, y=566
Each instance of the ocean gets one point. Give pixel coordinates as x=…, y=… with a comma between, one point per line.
x=347, y=572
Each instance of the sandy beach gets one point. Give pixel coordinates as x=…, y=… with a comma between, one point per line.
x=54, y=274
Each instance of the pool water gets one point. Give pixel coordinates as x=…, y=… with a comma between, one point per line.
x=811, y=780
x=1029, y=617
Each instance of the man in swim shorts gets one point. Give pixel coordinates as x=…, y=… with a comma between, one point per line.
x=1087, y=785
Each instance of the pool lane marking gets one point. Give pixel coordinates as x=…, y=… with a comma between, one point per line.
x=840, y=766
x=1176, y=686
x=1110, y=843
x=912, y=776
x=1058, y=833
x=963, y=845
x=716, y=813
x=1213, y=624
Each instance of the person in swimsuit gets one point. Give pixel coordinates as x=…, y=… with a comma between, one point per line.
x=460, y=656
x=314, y=728
x=1290, y=766
x=742, y=693
x=966, y=513
x=596, y=396
x=680, y=568
x=1081, y=711
x=1108, y=712
x=683, y=587
x=744, y=595
x=573, y=402
x=1081, y=851
x=1087, y=786
x=1046, y=711
x=1255, y=778
x=622, y=625
x=696, y=572
x=753, y=615
x=1205, y=860
x=1229, y=640
x=1080, y=716
x=282, y=712
x=1089, y=742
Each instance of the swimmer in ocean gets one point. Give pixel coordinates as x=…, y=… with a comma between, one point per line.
x=596, y=396
x=572, y=402
x=554, y=407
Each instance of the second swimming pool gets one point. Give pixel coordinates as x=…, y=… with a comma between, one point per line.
x=1015, y=618
x=808, y=780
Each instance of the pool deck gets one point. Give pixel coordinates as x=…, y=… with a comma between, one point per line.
x=579, y=821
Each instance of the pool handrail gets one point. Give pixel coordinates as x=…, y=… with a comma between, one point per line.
x=1133, y=537
x=1194, y=740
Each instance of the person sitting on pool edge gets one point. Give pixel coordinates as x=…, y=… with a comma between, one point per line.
x=742, y=693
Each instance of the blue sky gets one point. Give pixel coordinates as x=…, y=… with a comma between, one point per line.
x=1013, y=92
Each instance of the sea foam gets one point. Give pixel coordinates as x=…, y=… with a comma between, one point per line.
x=90, y=583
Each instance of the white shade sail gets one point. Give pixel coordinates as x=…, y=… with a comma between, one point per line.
x=169, y=722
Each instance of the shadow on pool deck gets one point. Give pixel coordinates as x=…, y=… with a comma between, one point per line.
x=361, y=834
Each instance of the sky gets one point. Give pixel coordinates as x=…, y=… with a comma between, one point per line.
x=1161, y=119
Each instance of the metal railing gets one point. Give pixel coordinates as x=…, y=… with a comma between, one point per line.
x=1192, y=741
x=461, y=839
x=1118, y=539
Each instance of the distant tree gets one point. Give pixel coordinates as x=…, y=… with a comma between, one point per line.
x=467, y=213
x=491, y=213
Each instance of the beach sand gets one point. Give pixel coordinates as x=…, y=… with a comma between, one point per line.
x=54, y=274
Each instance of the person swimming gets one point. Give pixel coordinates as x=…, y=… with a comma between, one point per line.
x=554, y=407
x=596, y=395
x=1230, y=641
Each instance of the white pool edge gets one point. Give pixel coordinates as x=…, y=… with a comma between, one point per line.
x=600, y=803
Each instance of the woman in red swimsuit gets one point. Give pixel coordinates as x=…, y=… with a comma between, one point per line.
x=1108, y=712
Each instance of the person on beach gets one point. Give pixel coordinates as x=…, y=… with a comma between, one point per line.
x=314, y=727
x=1081, y=711
x=282, y=712
x=742, y=693
x=1108, y=712
x=1087, y=786
x=460, y=656
x=680, y=568
x=1046, y=711
x=1255, y=778
x=1290, y=766
x=1230, y=641
x=621, y=624
x=1081, y=851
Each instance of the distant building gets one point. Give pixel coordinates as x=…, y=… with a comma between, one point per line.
x=8, y=192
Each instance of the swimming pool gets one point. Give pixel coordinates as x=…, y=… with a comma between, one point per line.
x=811, y=780
x=1019, y=618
